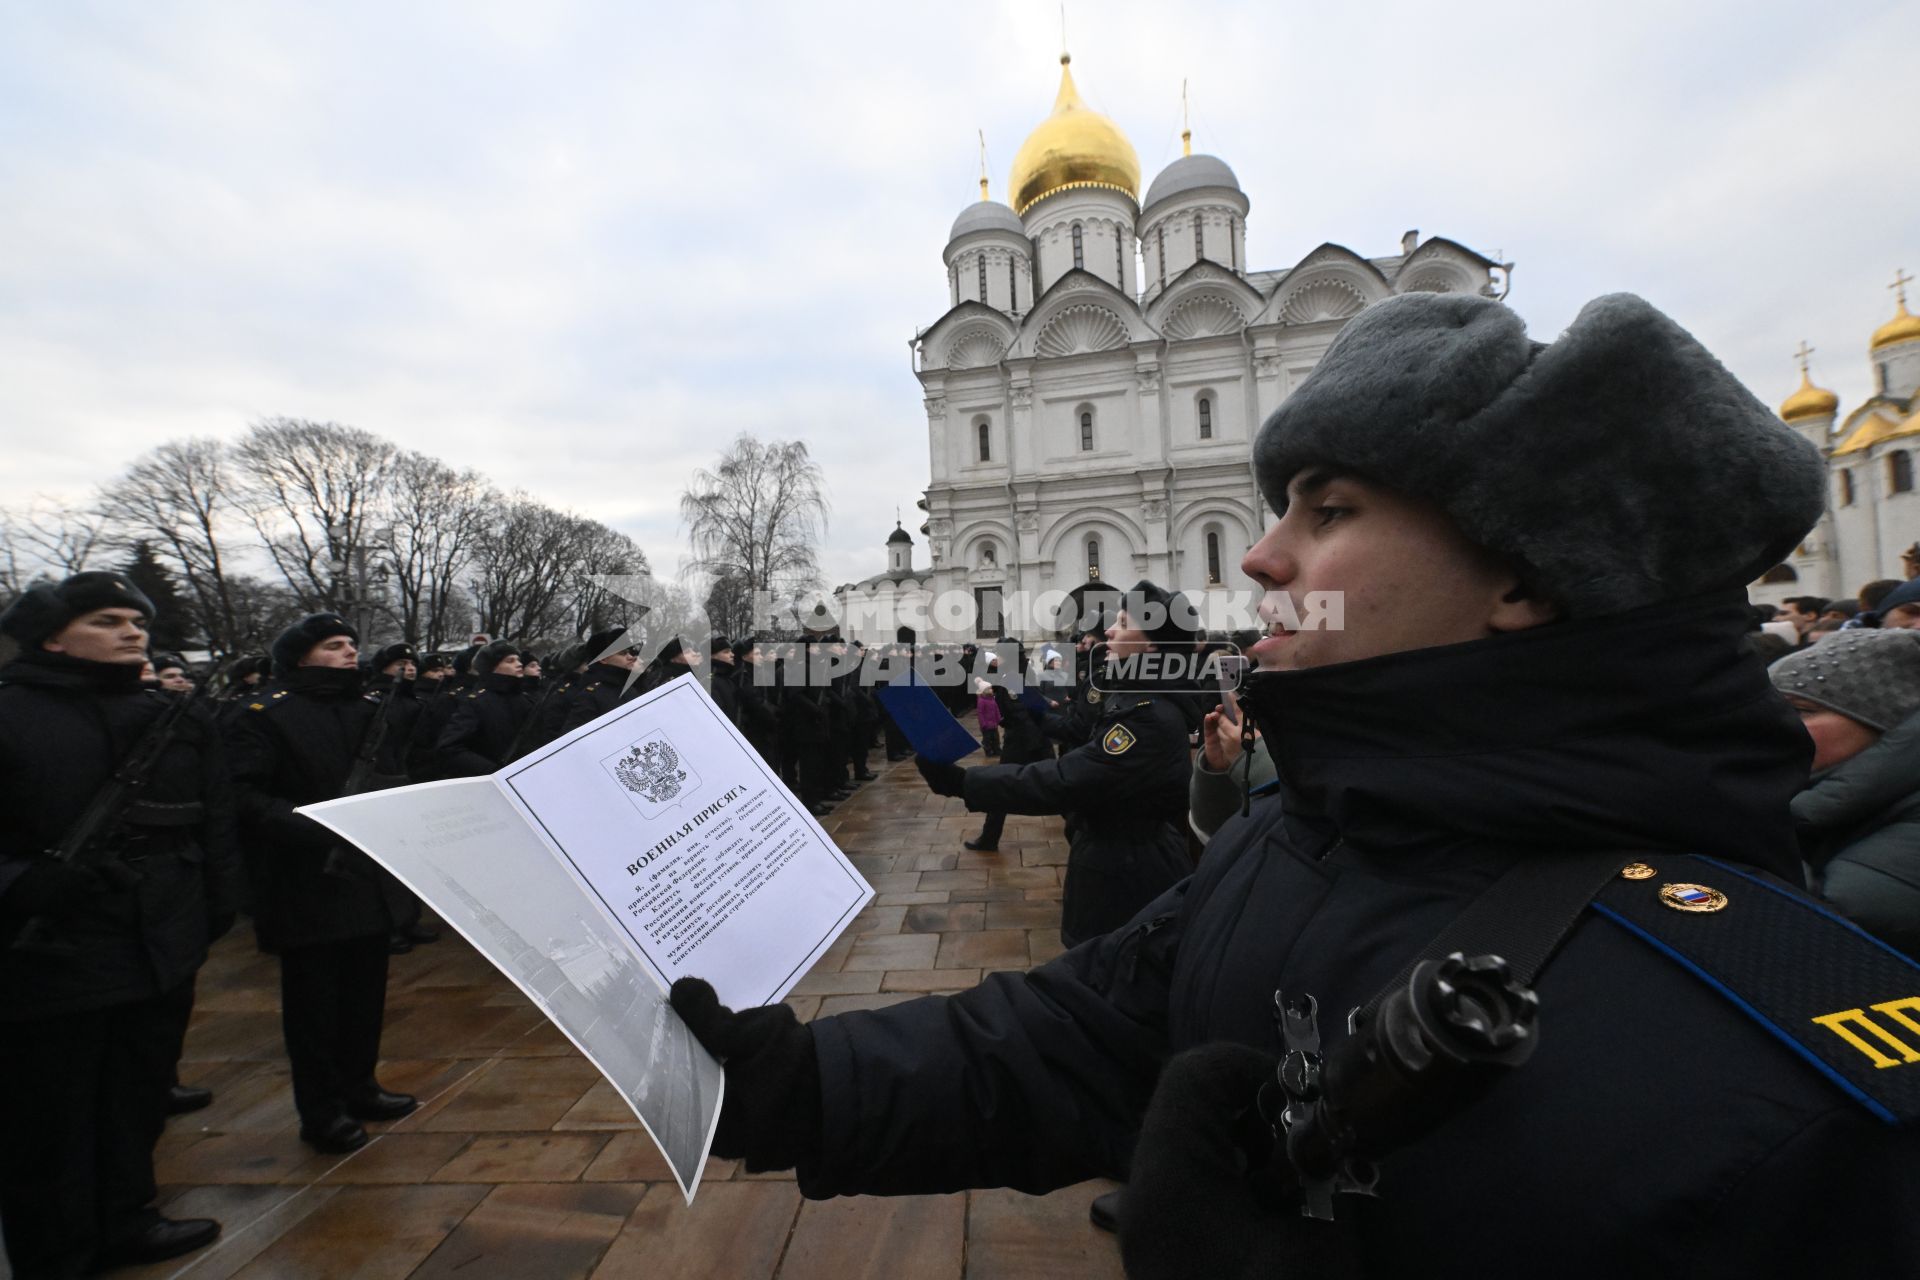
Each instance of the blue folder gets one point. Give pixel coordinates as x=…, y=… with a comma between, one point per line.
x=929, y=726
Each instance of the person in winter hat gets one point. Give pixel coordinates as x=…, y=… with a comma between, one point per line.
x=1858, y=694
x=1539, y=552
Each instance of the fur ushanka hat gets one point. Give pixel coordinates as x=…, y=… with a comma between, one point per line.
x=1619, y=466
x=43, y=611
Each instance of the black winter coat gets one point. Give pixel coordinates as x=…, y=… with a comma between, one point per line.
x=1021, y=740
x=1859, y=828
x=294, y=745
x=599, y=691
x=64, y=726
x=1656, y=1132
x=1125, y=793
x=436, y=710
x=758, y=719
x=403, y=717
x=725, y=690
x=484, y=729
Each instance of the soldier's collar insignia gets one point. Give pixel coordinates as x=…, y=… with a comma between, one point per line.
x=256, y=706
x=1692, y=897
x=1637, y=871
x=1118, y=739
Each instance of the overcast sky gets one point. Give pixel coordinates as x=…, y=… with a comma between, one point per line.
x=582, y=245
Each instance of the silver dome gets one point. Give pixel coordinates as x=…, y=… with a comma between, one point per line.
x=986, y=215
x=1189, y=173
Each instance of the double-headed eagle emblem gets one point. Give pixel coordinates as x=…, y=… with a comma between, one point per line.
x=651, y=770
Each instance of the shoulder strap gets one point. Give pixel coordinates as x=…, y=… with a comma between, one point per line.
x=1843, y=1000
x=1522, y=917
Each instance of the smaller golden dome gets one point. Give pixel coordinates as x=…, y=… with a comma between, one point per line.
x=1076, y=146
x=1809, y=401
x=1904, y=327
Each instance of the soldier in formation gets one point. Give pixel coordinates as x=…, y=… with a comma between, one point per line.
x=106, y=912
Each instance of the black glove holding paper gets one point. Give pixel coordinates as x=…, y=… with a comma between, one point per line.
x=771, y=1116
x=942, y=779
x=1190, y=1207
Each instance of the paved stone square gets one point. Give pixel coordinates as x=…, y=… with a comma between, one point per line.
x=522, y=1163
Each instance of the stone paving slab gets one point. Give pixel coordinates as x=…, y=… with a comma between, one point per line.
x=522, y=1162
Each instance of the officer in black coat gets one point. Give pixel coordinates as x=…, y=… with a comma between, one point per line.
x=804, y=728
x=759, y=718
x=318, y=902
x=484, y=731
x=1021, y=739
x=395, y=678
x=439, y=698
x=1124, y=790
x=723, y=678
x=1506, y=684
x=97, y=957
x=609, y=681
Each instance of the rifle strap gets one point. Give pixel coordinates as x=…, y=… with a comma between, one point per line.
x=1522, y=917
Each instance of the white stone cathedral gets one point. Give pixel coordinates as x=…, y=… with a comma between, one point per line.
x=1093, y=392
x=1873, y=507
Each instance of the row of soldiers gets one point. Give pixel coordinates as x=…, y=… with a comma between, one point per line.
x=103, y=936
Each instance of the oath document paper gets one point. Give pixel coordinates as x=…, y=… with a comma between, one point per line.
x=647, y=845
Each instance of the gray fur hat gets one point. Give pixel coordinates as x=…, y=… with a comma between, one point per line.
x=1620, y=466
x=1866, y=675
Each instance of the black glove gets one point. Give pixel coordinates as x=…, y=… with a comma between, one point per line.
x=1190, y=1207
x=47, y=888
x=942, y=779
x=771, y=1116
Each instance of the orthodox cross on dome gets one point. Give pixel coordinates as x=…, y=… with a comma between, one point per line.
x=1899, y=286
x=1186, y=123
x=983, y=163
x=1804, y=354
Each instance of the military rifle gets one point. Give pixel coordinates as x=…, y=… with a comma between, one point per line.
x=361, y=777
x=82, y=841
x=1408, y=1063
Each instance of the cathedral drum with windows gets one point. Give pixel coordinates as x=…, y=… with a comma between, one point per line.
x=1873, y=510
x=1094, y=388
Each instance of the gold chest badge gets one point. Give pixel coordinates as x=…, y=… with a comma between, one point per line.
x=1117, y=740
x=1696, y=898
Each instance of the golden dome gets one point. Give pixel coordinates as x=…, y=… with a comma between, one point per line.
x=1809, y=401
x=1902, y=328
x=1074, y=147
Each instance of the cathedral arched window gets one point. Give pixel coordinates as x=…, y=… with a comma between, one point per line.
x=987, y=559
x=1846, y=486
x=1086, y=431
x=1206, y=418
x=1093, y=559
x=1233, y=240
x=1161, y=234
x=984, y=430
x=1119, y=259
x=1199, y=239
x=1079, y=247
x=1213, y=558
x=983, y=277
x=1900, y=472
x=1013, y=289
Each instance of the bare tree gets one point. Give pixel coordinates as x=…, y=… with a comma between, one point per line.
x=520, y=567
x=436, y=516
x=756, y=520
x=178, y=499
x=605, y=553
x=50, y=539
x=315, y=493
